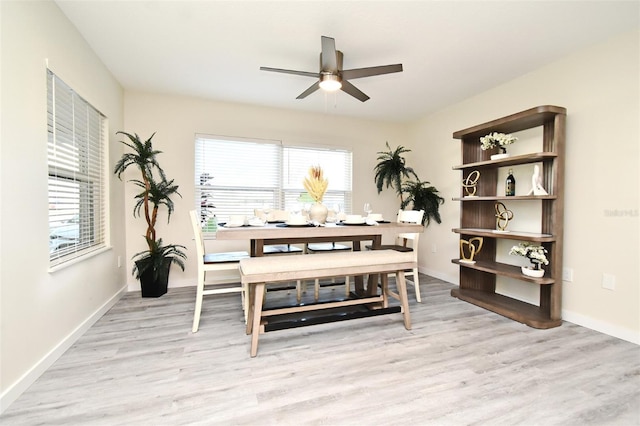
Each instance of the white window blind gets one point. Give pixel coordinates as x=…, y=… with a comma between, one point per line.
x=76, y=139
x=236, y=176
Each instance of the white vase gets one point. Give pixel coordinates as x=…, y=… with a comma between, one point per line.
x=318, y=212
x=535, y=273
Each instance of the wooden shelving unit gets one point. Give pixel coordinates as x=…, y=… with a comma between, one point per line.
x=477, y=217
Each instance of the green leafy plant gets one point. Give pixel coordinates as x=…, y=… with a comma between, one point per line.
x=156, y=191
x=392, y=171
x=423, y=197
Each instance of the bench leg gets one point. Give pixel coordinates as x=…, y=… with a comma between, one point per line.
x=257, y=316
x=250, y=303
x=404, y=301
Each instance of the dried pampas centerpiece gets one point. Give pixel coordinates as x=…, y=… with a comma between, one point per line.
x=316, y=185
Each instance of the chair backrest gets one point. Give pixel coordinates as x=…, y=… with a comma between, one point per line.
x=409, y=216
x=197, y=233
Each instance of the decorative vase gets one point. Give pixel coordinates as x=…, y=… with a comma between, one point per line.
x=503, y=154
x=318, y=212
x=535, y=273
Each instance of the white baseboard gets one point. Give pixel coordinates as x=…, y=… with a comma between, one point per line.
x=572, y=317
x=452, y=279
x=22, y=384
x=602, y=327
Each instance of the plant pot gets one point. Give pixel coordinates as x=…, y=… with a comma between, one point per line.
x=153, y=285
x=503, y=154
x=318, y=213
x=535, y=273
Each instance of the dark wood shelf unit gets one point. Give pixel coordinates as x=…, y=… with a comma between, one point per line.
x=526, y=313
x=511, y=235
x=505, y=198
x=504, y=270
x=477, y=217
x=509, y=161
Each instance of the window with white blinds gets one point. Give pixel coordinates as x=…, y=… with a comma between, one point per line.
x=236, y=176
x=76, y=162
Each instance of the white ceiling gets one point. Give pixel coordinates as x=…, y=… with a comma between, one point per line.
x=450, y=50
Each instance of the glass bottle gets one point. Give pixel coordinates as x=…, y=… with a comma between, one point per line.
x=510, y=185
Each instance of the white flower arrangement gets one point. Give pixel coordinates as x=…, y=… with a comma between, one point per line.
x=535, y=254
x=496, y=139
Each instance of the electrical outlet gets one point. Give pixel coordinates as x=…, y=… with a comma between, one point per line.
x=609, y=281
x=434, y=248
x=567, y=275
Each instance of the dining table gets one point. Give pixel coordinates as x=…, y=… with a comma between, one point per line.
x=283, y=233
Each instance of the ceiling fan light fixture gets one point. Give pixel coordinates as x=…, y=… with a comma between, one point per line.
x=330, y=82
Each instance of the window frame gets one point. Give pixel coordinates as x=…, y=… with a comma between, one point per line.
x=280, y=197
x=76, y=175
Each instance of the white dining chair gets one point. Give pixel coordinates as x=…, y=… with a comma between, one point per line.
x=213, y=262
x=408, y=242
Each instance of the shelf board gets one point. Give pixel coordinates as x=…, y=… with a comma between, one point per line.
x=511, y=235
x=504, y=270
x=515, y=160
x=516, y=310
x=523, y=120
x=505, y=198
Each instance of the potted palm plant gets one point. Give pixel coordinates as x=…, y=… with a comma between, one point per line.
x=425, y=197
x=152, y=265
x=393, y=172
x=392, y=169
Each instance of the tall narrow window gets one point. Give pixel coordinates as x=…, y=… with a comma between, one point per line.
x=76, y=140
x=236, y=176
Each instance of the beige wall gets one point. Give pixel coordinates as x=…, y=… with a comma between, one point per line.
x=42, y=311
x=600, y=89
x=176, y=120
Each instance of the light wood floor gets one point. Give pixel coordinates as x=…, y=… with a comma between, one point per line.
x=459, y=365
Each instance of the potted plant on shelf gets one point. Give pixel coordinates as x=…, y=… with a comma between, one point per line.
x=500, y=140
x=393, y=172
x=535, y=254
x=152, y=265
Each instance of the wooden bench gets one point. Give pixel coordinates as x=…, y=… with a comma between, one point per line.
x=257, y=272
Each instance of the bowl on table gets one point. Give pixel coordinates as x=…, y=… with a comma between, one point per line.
x=375, y=216
x=354, y=219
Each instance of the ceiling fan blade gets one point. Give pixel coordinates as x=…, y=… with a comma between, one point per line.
x=328, y=59
x=370, y=71
x=315, y=86
x=353, y=91
x=304, y=73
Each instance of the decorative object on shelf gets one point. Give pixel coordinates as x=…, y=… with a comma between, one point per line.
x=534, y=273
x=535, y=254
x=473, y=250
x=510, y=185
x=536, y=182
x=470, y=184
x=499, y=140
x=503, y=216
x=391, y=170
x=316, y=186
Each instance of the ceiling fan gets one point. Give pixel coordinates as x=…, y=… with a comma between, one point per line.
x=332, y=77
